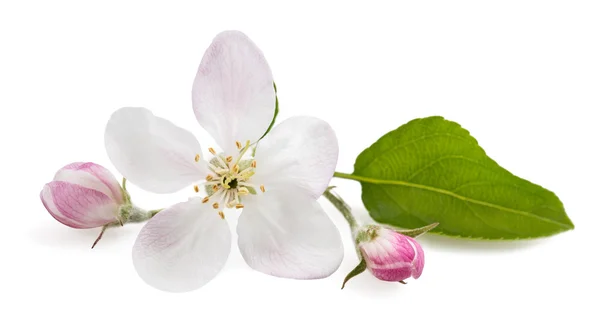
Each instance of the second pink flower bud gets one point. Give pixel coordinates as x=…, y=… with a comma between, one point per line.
x=389, y=255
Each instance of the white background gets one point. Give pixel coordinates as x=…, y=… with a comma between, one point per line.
x=522, y=76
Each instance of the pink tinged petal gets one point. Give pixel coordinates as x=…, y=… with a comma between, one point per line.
x=152, y=152
x=93, y=176
x=419, y=259
x=299, y=152
x=395, y=274
x=233, y=94
x=77, y=206
x=182, y=247
x=287, y=234
x=48, y=202
x=401, y=249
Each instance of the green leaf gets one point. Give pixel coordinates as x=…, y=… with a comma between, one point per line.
x=274, y=115
x=432, y=170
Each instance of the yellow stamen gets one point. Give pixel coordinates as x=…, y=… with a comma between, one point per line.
x=222, y=215
x=236, y=168
x=209, y=177
x=262, y=188
x=215, y=187
x=197, y=158
x=243, y=191
x=221, y=171
x=196, y=188
x=243, y=151
x=216, y=205
x=205, y=200
x=238, y=144
x=229, y=159
x=212, y=151
x=254, y=164
x=238, y=206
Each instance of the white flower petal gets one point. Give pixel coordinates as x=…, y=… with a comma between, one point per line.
x=152, y=152
x=182, y=247
x=299, y=152
x=287, y=234
x=233, y=94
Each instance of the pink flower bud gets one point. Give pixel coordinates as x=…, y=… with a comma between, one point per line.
x=83, y=195
x=389, y=255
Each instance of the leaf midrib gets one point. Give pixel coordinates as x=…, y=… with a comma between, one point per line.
x=447, y=193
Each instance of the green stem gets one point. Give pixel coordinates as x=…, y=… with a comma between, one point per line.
x=341, y=205
x=126, y=196
x=127, y=214
x=154, y=212
x=137, y=215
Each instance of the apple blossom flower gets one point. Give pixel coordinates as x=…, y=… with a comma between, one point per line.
x=83, y=195
x=390, y=255
x=282, y=230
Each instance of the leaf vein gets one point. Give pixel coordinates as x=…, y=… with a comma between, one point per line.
x=485, y=222
x=416, y=140
x=401, y=207
x=444, y=158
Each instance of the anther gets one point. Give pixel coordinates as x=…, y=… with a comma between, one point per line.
x=216, y=205
x=205, y=200
x=209, y=177
x=196, y=189
x=215, y=187
x=262, y=188
x=212, y=151
x=254, y=164
x=229, y=159
x=222, y=215
x=238, y=144
x=236, y=168
x=243, y=191
x=238, y=206
x=197, y=158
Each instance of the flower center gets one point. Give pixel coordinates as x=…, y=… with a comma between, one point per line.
x=229, y=179
x=229, y=182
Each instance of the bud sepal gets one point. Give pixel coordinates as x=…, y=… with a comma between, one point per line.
x=361, y=267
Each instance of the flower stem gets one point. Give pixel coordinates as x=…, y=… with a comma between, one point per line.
x=127, y=214
x=126, y=196
x=137, y=215
x=341, y=205
x=154, y=212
